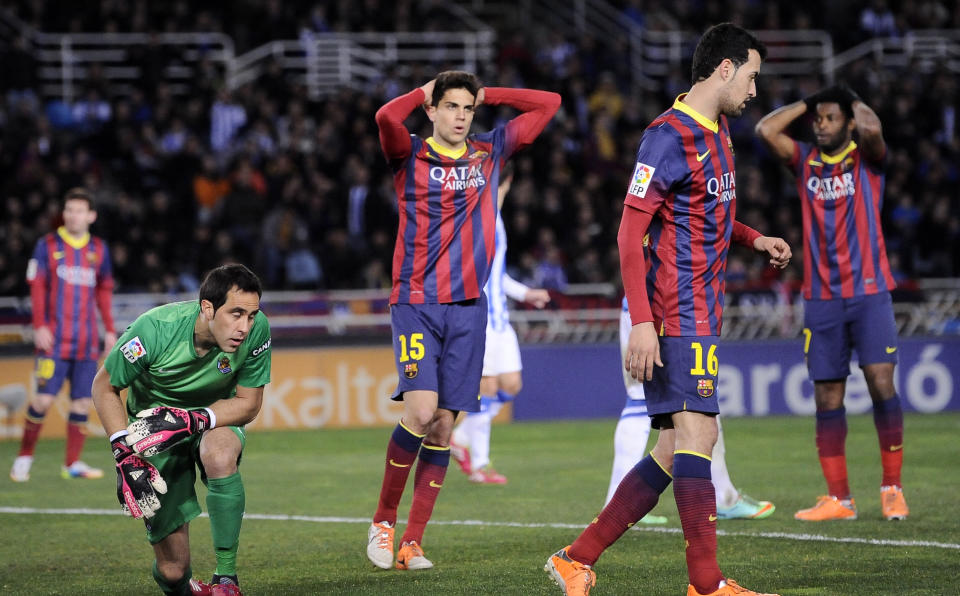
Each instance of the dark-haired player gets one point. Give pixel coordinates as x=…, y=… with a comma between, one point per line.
x=846, y=284
x=446, y=189
x=683, y=197
x=194, y=373
x=70, y=280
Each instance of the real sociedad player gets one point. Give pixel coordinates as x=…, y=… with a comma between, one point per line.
x=846, y=284
x=446, y=189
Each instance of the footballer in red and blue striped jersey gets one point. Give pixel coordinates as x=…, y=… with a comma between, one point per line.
x=448, y=199
x=843, y=248
x=70, y=279
x=847, y=283
x=685, y=176
x=447, y=187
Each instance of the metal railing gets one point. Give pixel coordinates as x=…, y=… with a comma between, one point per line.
x=350, y=314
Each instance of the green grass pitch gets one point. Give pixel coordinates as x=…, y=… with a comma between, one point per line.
x=558, y=478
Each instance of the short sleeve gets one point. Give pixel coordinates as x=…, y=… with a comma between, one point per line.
x=656, y=169
x=255, y=371
x=134, y=351
x=796, y=160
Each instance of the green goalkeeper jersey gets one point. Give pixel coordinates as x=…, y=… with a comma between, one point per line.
x=156, y=361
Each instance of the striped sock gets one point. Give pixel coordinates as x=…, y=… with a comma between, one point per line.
x=431, y=470
x=888, y=418
x=76, y=437
x=636, y=495
x=831, y=442
x=401, y=453
x=697, y=506
x=31, y=431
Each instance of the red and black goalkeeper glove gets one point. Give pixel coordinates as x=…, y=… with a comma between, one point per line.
x=138, y=481
x=161, y=428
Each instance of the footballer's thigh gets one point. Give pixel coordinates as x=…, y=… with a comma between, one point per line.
x=173, y=554
x=220, y=450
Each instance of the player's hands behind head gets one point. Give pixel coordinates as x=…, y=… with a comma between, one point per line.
x=428, y=92
x=159, y=429
x=138, y=482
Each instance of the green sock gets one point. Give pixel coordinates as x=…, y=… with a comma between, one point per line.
x=180, y=587
x=225, y=503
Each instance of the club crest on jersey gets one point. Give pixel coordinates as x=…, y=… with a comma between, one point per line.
x=704, y=387
x=92, y=257
x=642, y=175
x=410, y=370
x=133, y=350
x=223, y=365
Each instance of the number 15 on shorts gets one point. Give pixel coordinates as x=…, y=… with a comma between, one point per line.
x=412, y=349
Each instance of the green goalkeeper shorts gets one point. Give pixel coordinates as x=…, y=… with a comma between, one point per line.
x=178, y=467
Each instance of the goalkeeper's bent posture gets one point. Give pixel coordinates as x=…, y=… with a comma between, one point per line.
x=194, y=373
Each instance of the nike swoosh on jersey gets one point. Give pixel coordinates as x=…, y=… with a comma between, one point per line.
x=396, y=465
x=703, y=156
x=58, y=254
x=891, y=350
x=712, y=518
x=434, y=484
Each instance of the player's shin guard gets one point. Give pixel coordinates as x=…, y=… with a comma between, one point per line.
x=697, y=506
x=431, y=470
x=636, y=495
x=831, y=448
x=401, y=453
x=76, y=437
x=225, y=503
x=180, y=587
x=31, y=431
x=888, y=418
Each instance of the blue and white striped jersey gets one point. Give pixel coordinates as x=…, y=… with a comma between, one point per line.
x=500, y=285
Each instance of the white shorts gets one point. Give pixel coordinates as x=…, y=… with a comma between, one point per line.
x=634, y=387
x=502, y=353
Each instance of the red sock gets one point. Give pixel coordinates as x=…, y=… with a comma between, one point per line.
x=431, y=470
x=76, y=437
x=888, y=418
x=697, y=506
x=401, y=453
x=636, y=495
x=831, y=442
x=31, y=432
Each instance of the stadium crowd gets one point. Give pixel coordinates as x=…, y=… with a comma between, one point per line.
x=299, y=189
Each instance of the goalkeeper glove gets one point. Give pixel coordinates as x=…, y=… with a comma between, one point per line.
x=138, y=481
x=161, y=428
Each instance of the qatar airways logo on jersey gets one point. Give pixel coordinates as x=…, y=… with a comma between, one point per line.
x=723, y=188
x=459, y=178
x=78, y=276
x=832, y=188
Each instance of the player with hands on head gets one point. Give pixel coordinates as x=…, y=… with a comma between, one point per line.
x=846, y=284
x=679, y=209
x=446, y=188
x=70, y=279
x=194, y=373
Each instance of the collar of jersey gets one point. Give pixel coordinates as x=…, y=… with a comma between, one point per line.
x=76, y=243
x=451, y=153
x=832, y=159
x=702, y=120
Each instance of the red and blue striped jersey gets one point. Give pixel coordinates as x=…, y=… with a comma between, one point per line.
x=448, y=205
x=684, y=177
x=69, y=280
x=844, y=253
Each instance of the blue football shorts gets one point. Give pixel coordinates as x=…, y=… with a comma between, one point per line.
x=52, y=372
x=440, y=348
x=833, y=328
x=687, y=381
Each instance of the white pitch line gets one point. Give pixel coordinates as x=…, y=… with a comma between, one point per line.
x=476, y=522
